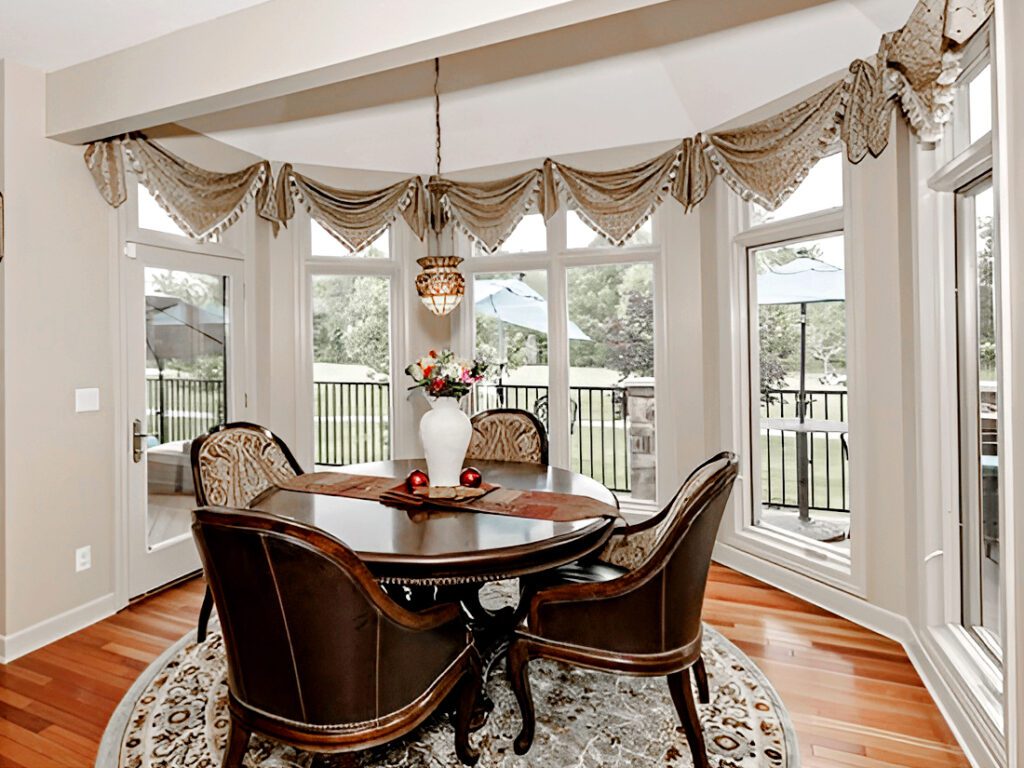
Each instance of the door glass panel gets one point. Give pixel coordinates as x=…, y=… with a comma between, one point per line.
x=798, y=357
x=611, y=376
x=511, y=317
x=351, y=368
x=980, y=428
x=186, y=360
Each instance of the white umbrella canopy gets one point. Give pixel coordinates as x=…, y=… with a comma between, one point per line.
x=801, y=281
x=177, y=329
x=512, y=301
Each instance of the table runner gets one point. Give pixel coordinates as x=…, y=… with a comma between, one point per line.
x=538, y=505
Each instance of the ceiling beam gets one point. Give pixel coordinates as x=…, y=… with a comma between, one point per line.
x=283, y=47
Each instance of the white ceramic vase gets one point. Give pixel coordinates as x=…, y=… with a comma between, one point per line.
x=445, y=431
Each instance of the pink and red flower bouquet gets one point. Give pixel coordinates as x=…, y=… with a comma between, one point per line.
x=442, y=374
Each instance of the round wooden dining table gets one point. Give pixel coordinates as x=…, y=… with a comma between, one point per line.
x=452, y=548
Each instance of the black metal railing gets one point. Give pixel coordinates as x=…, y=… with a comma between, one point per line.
x=180, y=408
x=599, y=425
x=352, y=422
x=828, y=452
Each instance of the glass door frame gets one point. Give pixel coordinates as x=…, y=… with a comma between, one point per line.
x=151, y=567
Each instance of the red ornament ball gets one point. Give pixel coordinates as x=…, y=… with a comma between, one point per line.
x=416, y=479
x=471, y=477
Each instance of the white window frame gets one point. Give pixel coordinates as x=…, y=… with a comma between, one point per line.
x=939, y=175
x=818, y=561
x=395, y=268
x=555, y=260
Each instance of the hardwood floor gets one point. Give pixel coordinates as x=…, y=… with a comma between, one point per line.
x=854, y=697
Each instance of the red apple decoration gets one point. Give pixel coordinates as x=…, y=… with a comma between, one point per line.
x=416, y=479
x=471, y=477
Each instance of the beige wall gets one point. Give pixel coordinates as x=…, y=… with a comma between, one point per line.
x=58, y=492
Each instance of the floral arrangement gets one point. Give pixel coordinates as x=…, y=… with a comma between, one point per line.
x=443, y=374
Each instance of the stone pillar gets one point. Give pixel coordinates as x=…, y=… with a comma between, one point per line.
x=640, y=413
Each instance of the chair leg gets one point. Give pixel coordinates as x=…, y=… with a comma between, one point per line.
x=518, y=674
x=682, y=696
x=204, y=615
x=470, y=688
x=238, y=745
x=700, y=676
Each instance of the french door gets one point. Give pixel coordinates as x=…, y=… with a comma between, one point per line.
x=183, y=335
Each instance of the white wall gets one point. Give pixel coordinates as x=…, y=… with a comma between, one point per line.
x=59, y=490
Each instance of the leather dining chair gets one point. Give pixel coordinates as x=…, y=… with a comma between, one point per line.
x=641, y=621
x=508, y=434
x=232, y=464
x=318, y=656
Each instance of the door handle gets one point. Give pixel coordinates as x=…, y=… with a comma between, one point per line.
x=138, y=436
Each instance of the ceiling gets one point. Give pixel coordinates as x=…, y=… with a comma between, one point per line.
x=634, y=78
x=52, y=34
x=529, y=99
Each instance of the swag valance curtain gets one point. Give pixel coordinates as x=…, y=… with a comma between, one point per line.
x=914, y=69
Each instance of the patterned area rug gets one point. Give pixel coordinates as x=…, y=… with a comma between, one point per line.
x=176, y=716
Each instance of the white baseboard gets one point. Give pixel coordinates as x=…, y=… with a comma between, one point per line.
x=45, y=632
x=884, y=622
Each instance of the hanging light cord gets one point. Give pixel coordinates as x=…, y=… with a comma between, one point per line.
x=437, y=114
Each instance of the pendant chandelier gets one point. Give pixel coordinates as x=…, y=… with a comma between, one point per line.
x=440, y=285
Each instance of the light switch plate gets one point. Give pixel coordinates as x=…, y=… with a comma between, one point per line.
x=87, y=400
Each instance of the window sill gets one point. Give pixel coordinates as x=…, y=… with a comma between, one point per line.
x=978, y=678
x=809, y=558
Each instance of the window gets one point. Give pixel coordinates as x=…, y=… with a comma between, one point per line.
x=594, y=373
x=978, y=360
x=611, y=375
x=979, y=101
x=529, y=236
x=352, y=329
x=794, y=357
x=820, y=191
x=153, y=217
x=323, y=243
x=579, y=234
x=799, y=381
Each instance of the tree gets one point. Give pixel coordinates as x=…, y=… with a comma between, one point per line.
x=826, y=336
x=350, y=321
x=630, y=340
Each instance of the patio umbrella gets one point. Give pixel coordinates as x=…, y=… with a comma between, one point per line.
x=176, y=329
x=512, y=301
x=802, y=281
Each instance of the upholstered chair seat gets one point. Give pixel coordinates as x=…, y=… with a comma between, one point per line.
x=508, y=434
x=232, y=464
x=643, y=618
x=319, y=657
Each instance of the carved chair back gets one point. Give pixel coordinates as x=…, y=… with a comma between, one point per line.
x=508, y=434
x=234, y=463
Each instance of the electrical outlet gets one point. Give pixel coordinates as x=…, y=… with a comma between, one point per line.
x=83, y=559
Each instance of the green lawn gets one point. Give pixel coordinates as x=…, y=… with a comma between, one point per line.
x=827, y=470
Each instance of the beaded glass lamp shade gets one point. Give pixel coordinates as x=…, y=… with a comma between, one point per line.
x=440, y=285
